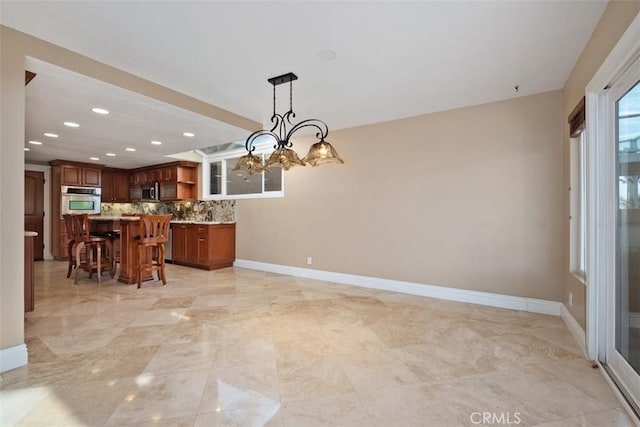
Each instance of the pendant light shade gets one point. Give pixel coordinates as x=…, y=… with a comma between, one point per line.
x=322, y=152
x=250, y=164
x=285, y=158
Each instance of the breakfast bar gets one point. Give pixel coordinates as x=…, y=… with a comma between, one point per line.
x=200, y=244
x=129, y=228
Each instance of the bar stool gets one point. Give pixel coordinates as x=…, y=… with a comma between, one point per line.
x=113, y=254
x=68, y=222
x=79, y=231
x=154, y=232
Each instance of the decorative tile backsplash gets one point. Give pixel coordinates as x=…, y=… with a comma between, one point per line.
x=203, y=210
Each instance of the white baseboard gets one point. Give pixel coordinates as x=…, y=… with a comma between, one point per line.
x=13, y=357
x=575, y=329
x=440, y=292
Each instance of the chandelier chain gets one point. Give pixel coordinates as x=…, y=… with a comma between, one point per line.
x=274, y=100
x=291, y=96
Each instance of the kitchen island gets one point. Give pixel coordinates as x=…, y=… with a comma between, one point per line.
x=207, y=245
x=129, y=227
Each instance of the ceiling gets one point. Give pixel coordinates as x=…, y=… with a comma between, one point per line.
x=57, y=95
x=393, y=59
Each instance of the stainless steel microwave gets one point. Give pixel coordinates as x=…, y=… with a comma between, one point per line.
x=150, y=192
x=80, y=200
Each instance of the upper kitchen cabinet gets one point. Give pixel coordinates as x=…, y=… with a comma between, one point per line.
x=115, y=185
x=145, y=176
x=80, y=174
x=177, y=180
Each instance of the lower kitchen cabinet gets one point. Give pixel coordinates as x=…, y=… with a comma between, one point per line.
x=207, y=246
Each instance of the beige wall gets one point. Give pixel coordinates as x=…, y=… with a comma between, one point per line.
x=468, y=198
x=11, y=194
x=613, y=23
x=15, y=47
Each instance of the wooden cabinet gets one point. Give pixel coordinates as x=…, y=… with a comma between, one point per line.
x=172, y=191
x=178, y=180
x=28, y=273
x=135, y=192
x=178, y=183
x=179, y=242
x=115, y=185
x=169, y=175
x=207, y=246
x=85, y=176
x=63, y=241
x=91, y=177
x=202, y=244
x=64, y=172
x=71, y=175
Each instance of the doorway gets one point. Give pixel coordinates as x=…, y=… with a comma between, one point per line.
x=613, y=215
x=34, y=209
x=613, y=322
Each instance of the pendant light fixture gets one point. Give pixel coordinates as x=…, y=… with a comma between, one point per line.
x=283, y=129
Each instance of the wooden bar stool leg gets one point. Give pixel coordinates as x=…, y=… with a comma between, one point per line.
x=112, y=256
x=89, y=258
x=78, y=249
x=161, y=262
x=70, y=255
x=139, y=272
x=99, y=260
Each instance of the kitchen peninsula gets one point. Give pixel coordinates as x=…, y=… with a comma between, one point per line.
x=129, y=228
x=207, y=245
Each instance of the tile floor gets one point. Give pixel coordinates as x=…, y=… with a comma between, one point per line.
x=244, y=348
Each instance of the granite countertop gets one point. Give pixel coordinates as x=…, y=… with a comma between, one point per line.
x=30, y=234
x=137, y=218
x=113, y=218
x=177, y=221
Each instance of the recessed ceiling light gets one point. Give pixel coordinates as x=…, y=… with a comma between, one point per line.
x=27, y=149
x=35, y=142
x=99, y=110
x=130, y=149
x=189, y=134
x=50, y=135
x=110, y=154
x=156, y=142
x=94, y=158
x=72, y=124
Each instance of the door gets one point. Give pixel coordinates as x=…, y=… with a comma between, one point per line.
x=623, y=305
x=34, y=209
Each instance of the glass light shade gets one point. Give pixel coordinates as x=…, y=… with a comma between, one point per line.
x=250, y=164
x=286, y=158
x=322, y=152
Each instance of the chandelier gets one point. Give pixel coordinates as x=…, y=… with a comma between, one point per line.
x=283, y=129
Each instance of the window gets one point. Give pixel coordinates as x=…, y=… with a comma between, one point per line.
x=222, y=182
x=578, y=206
x=577, y=188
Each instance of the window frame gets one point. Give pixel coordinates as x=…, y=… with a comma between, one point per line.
x=578, y=207
x=264, y=149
